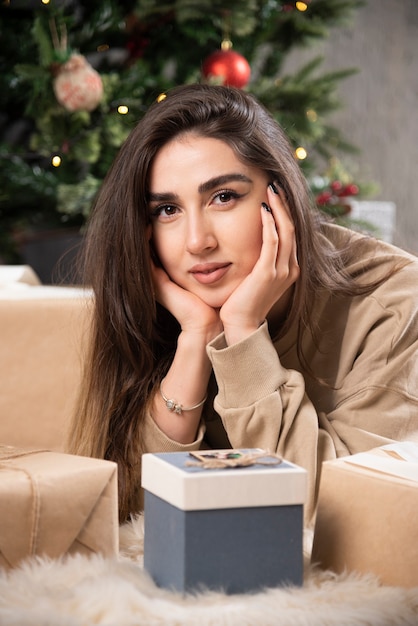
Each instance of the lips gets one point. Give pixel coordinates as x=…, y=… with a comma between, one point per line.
x=209, y=273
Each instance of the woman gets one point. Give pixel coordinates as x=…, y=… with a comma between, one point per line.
x=227, y=312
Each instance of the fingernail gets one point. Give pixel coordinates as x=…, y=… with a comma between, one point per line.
x=266, y=207
x=273, y=188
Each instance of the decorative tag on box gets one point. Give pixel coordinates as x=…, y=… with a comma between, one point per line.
x=230, y=520
x=53, y=503
x=367, y=514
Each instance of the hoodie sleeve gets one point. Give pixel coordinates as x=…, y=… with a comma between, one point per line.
x=263, y=405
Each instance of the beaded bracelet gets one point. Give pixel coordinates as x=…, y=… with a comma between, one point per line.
x=173, y=406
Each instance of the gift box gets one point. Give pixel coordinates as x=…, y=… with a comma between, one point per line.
x=234, y=529
x=53, y=503
x=367, y=514
x=43, y=333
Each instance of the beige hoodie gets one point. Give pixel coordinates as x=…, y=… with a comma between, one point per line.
x=366, y=351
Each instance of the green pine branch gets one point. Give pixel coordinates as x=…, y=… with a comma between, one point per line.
x=142, y=48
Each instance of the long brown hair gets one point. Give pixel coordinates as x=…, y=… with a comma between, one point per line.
x=132, y=337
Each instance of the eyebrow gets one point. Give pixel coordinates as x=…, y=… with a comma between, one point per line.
x=218, y=181
x=208, y=185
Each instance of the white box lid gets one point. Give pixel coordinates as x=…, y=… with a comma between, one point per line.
x=190, y=488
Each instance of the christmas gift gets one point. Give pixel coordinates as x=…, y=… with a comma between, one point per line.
x=43, y=331
x=53, y=503
x=223, y=519
x=367, y=514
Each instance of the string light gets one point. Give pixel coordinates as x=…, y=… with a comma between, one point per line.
x=45, y=1
x=301, y=6
x=161, y=97
x=123, y=109
x=56, y=160
x=301, y=153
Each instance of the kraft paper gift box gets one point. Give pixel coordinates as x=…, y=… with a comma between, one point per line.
x=235, y=529
x=43, y=334
x=367, y=519
x=53, y=503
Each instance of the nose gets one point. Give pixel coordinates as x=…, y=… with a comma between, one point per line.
x=200, y=235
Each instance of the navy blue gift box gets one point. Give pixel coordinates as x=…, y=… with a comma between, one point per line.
x=235, y=530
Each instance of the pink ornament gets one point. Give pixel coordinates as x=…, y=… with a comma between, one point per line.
x=78, y=87
x=230, y=66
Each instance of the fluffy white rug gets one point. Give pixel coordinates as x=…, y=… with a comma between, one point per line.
x=81, y=591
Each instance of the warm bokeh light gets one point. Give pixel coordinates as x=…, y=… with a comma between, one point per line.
x=123, y=109
x=301, y=6
x=226, y=44
x=311, y=115
x=301, y=153
x=56, y=160
x=161, y=97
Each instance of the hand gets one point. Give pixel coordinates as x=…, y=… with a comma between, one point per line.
x=194, y=316
x=188, y=375
x=276, y=270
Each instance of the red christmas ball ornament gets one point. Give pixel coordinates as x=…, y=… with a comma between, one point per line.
x=230, y=66
x=77, y=86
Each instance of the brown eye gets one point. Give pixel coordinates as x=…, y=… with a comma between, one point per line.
x=166, y=210
x=223, y=197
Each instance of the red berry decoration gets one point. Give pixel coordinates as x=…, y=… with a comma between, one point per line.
x=349, y=190
x=336, y=186
x=228, y=65
x=324, y=197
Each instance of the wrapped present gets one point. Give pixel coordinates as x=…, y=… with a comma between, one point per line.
x=43, y=332
x=230, y=520
x=367, y=514
x=53, y=503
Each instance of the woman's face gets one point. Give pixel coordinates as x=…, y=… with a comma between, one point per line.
x=205, y=215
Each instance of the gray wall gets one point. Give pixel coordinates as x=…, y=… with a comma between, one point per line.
x=380, y=102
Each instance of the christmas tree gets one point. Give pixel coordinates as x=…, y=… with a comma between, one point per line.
x=76, y=78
